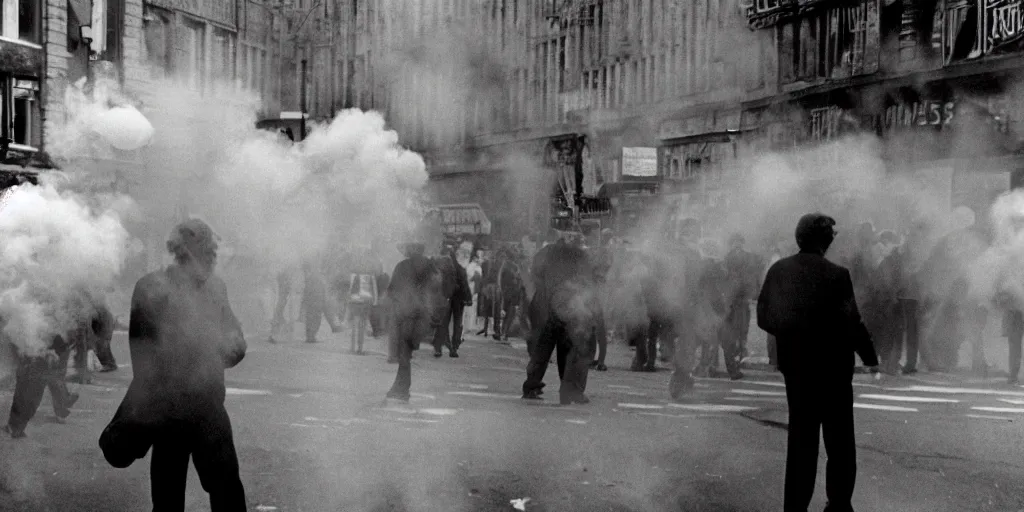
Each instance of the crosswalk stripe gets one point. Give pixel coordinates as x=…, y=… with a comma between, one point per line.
x=482, y=394
x=962, y=391
x=755, y=392
x=1017, y=410
x=919, y=399
x=713, y=407
x=247, y=392
x=765, y=383
x=877, y=407
x=641, y=406
x=988, y=417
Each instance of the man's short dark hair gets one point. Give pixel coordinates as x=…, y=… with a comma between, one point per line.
x=815, y=232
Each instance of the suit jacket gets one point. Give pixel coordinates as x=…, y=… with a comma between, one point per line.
x=808, y=304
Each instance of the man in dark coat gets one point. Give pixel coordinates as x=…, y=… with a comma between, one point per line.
x=684, y=276
x=744, y=269
x=564, y=315
x=410, y=298
x=183, y=334
x=808, y=304
x=94, y=333
x=34, y=375
x=456, y=296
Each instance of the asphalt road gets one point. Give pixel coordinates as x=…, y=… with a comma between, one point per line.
x=314, y=434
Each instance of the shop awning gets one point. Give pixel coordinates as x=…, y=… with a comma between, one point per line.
x=464, y=219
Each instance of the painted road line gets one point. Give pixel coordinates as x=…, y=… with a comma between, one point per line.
x=628, y=393
x=247, y=392
x=755, y=392
x=342, y=421
x=473, y=386
x=713, y=407
x=1012, y=401
x=918, y=399
x=417, y=420
x=641, y=406
x=683, y=416
x=619, y=386
x=987, y=417
x=421, y=395
x=764, y=383
x=756, y=399
x=1016, y=410
x=877, y=407
x=439, y=412
x=481, y=394
x=960, y=391
x=576, y=422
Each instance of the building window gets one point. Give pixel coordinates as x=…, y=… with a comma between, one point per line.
x=21, y=111
x=833, y=43
x=193, y=69
x=251, y=65
x=21, y=20
x=222, y=63
x=158, y=32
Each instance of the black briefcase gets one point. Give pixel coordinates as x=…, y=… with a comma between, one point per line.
x=128, y=437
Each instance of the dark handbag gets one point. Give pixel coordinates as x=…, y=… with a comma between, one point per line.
x=128, y=436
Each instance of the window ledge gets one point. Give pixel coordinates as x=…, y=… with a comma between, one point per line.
x=20, y=42
x=23, y=148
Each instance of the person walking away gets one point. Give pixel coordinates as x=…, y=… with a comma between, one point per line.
x=363, y=296
x=566, y=313
x=770, y=342
x=314, y=301
x=378, y=312
x=710, y=326
x=35, y=374
x=686, y=272
x=94, y=333
x=473, y=274
x=510, y=289
x=910, y=259
x=603, y=260
x=882, y=302
x=808, y=304
x=284, y=289
x=183, y=334
x=628, y=308
x=409, y=296
x=455, y=294
x=743, y=270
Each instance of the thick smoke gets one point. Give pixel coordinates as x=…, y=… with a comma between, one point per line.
x=57, y=251
x=998, y=274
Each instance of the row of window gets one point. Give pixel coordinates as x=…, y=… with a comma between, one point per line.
x=21, y=20
x=20, y=111
x=201, y=55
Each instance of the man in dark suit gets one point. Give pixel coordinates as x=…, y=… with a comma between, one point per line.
x=808, y=304
x=410, y=297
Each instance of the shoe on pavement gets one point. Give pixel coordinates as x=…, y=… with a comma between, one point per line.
x=107, y=368
x=601, y=368
x=909, y=371
x=532, y=395
x=15, y=434
x=397, y=396
x=736, y=376
x=581, y=399
x=453, y=354
x=437, y=353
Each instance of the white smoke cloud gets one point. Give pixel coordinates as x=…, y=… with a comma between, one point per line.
x=55, y=249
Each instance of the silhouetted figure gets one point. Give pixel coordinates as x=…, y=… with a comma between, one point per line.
x=35, y=374
x=314, y=302
x=183, y=334
x=410, y=299
x=456, y=295
x=808, y=304
x=565, y=314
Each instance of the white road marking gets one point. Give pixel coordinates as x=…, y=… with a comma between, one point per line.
x=576, y=422
x=628, y=393
x=417, y=420
x=1017, y=410
x=421, y=395
x=713, y=407
x=402, y=410
x=474, y=386
x=755, y=399
x=247, y=392
x=343, y=421
x=883, y=407
x=481, y=394
x=962, y=391
x=296, y=395
x=1012, y=401
x=298, y=425
x=764, y=383
x=666, y=415
x=919, y=399
x=988, y=417
x=619, y=386
x=756, y=392
x=641, y=406
x=440, y=412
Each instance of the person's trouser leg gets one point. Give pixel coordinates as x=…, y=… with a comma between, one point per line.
x=509, y=307
x=581, y=345
x=29, y=386
x=773, y=350
x=732, y=350
x=314, y=316
x=802, y=444
x=1015, y=333
x=168, y=470
x=283, y=289
x=403, y=348
x=911, y=318
x=213, y=454
x=458, y=313
x=643, y=356
x=602, y=340
x=444, y=320
x=104, y=354
x=979, y=318
x=681, y=380
x=544, y=345
x=840, y=447
x=537, y=321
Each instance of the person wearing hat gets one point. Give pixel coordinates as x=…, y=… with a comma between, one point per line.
x=410, y=297
x=182, y=335
x=808, y=304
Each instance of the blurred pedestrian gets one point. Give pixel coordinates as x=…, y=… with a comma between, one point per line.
x=808, y=303
x=314, y=301
x=183, y=334
x=455, y=296
x=35, y=374
x=363, y=295
x=409, y=294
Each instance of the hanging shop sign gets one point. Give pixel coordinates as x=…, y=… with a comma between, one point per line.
x=640, y=162
x=464, y=219
x=768, y=13
x=830, y=122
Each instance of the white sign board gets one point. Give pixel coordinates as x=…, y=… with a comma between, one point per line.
x=639, y=162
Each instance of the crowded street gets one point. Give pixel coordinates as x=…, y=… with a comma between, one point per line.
x=313, y=434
